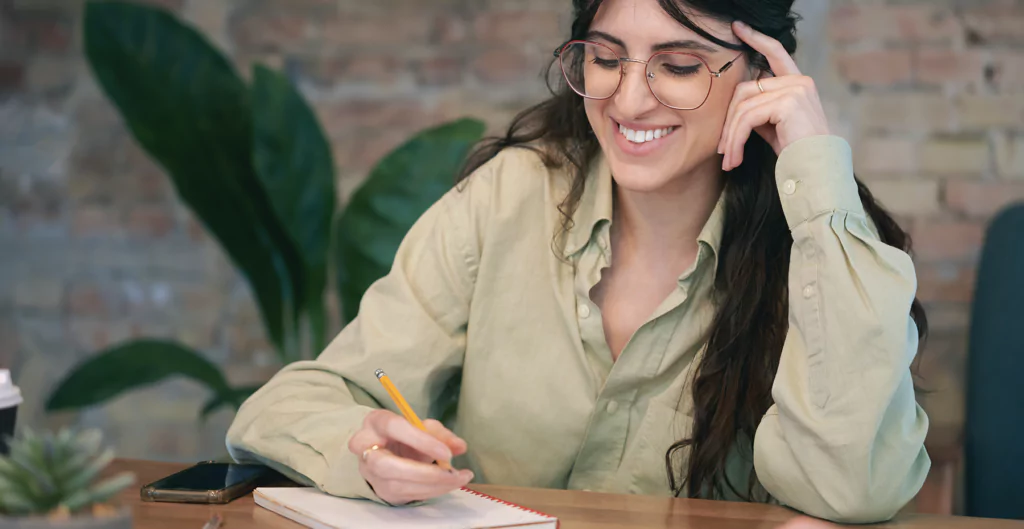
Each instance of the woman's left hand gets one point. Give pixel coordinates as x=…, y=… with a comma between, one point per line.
x=787, y=110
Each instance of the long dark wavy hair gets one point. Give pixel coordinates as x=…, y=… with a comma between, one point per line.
x=732, y=384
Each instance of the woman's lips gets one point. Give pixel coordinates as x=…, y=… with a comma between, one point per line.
x=634, y=139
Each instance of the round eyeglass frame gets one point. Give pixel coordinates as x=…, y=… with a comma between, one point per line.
x=647, y=75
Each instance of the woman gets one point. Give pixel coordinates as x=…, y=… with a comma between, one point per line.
x=663, y=280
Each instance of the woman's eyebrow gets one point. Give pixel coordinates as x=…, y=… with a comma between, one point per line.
x=602, y=35
x=662, y=46
x=684, y=45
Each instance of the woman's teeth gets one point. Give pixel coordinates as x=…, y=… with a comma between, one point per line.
x=643, y=136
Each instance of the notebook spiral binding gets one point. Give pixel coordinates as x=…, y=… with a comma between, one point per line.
x=515, y=505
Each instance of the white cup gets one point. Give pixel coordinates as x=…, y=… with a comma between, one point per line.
x=10, y=398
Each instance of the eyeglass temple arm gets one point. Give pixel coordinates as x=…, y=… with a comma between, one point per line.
x=727, y=66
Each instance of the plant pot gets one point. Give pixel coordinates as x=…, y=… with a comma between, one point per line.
x=121, y=520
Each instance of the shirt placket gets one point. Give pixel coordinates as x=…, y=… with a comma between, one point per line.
x=608, y=431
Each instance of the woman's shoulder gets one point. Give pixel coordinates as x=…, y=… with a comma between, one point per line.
x=517, y=178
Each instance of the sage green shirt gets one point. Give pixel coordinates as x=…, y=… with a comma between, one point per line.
x=484, y=306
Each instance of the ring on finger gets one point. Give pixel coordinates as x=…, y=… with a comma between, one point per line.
x=366, y=453
x=761, y=76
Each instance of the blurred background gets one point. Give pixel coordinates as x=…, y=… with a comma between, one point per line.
x=97, y=249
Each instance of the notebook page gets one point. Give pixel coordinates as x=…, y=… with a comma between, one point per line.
x=458, y=510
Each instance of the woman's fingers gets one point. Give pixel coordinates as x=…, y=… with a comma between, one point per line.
x=764, y=109
x=781, y=109
x=364, y=439
x=743, y=92
x=778, y=58
x=393, y=427
x=455, y=443
x=398, y=480
x=797, y=113
x=399, y=469
x=384, y=465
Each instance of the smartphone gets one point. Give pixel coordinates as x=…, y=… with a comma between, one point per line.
x=210, y=482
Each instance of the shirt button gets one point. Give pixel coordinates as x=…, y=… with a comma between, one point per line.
x=789, y=187
x=583, y=311
x=809, y=291
x=613, y=407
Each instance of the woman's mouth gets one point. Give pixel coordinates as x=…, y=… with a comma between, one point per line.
x=641, y=141
x=644, y=135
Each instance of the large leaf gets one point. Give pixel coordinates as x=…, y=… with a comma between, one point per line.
x=130, y=366
x=293, y=161
x=190, y=111
x=398, y=191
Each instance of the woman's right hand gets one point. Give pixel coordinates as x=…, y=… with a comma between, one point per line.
x=401, y=469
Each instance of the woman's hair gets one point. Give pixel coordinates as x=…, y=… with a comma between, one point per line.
x=732, y=384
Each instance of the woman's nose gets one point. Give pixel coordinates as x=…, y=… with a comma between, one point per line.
x=634, y=97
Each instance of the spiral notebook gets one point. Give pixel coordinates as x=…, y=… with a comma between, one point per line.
x=462, y=509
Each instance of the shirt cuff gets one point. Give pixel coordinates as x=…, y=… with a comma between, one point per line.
x=815, y=177
x=342, y=477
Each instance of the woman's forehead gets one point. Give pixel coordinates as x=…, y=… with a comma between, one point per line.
x=644, y=23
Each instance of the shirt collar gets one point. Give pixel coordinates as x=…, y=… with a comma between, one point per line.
x=595, y=206
x=711, y=234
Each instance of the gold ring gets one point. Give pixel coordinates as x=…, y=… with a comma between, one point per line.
x=366, y=453
x=759, y=87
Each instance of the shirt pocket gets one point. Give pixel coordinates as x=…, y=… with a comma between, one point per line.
x=665, y=422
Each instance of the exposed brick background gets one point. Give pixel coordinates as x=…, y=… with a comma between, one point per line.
x=937, y=127
x=95, y=248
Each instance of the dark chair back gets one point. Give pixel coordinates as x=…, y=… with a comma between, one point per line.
x=994, y=426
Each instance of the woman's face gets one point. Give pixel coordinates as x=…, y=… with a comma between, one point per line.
x=636, y=29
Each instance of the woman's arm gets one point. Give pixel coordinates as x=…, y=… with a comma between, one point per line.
x=411, y=323
x=845, y=438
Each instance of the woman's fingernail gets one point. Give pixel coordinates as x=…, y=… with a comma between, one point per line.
x=742, y=25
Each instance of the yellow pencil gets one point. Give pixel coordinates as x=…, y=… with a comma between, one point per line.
x=404, y=407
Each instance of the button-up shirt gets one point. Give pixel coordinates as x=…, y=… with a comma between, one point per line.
x=486, y=320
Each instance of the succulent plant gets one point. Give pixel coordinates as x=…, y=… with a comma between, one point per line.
x=55, y=474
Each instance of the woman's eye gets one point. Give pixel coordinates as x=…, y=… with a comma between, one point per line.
x=605, y=63
x=682, y=71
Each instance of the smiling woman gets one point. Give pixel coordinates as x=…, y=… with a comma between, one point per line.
x=725, y=312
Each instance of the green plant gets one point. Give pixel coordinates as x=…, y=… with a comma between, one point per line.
x=56, y=474
x=253, y=164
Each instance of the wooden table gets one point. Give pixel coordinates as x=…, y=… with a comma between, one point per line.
x=574, y=509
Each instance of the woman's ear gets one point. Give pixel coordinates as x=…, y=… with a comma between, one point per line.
x=759, y=66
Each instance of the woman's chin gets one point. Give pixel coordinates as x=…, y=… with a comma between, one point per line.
x=640, y=178
x=644, y=167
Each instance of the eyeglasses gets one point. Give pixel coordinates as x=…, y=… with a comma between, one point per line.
x=679, y=80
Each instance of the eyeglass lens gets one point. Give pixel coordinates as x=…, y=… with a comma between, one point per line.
x=678, y=80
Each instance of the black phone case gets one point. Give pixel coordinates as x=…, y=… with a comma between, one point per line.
x=221, y=496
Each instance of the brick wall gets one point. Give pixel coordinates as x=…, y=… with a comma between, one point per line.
x=94, y=247
x=931, y=94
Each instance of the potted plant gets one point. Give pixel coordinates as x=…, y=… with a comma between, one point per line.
x=251, y=161
x=51, y=481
